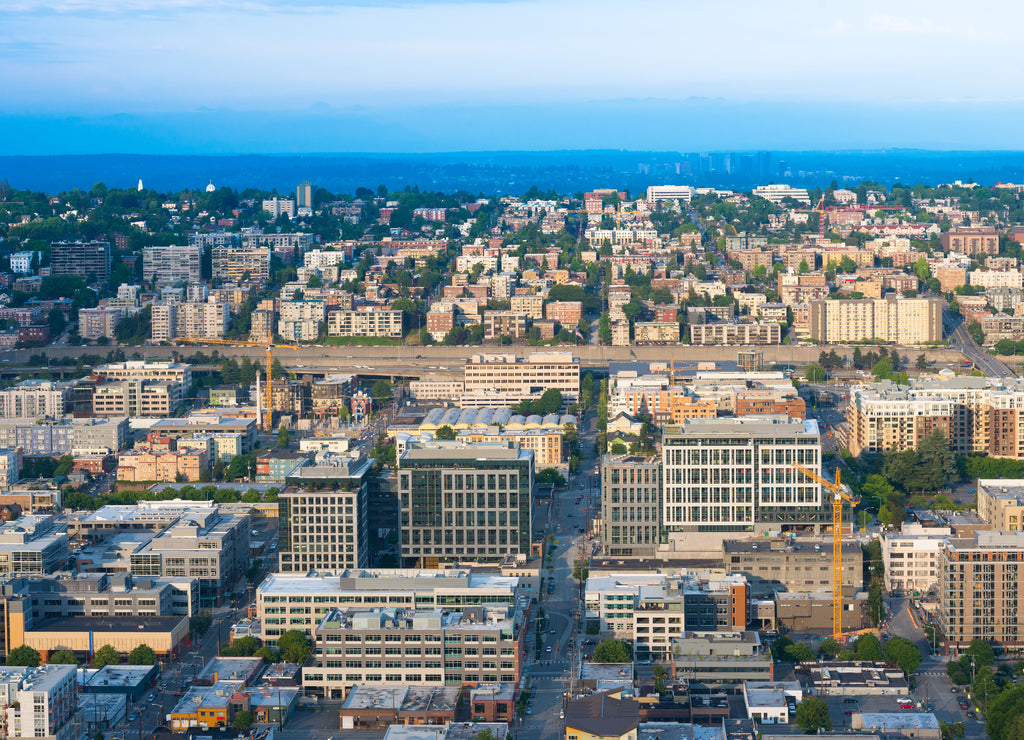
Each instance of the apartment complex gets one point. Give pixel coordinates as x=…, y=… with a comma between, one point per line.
x=36, y=436
x=890, y=319
x=630, y=505
x=35, y=399
x=504, y=324
x=730, y=475
x=235, y=264
x=39, y=702
x=33, y=544
x=173, y=373
x=978, y=415
x=365, y=324
x=911, y=557
x=1001, y=503
x=507, y=374
x=94, y=323
x=465, y=502
x=323, y=521
x=134, y=398
x=163, y=466
x=200, y=319
x=979, y=591
x=412, y=646
x=172, y=264
x=976, y=240
x=300, y=602
x=735, y=333
x=89, y=260
x=653, y=609
x=792, y=565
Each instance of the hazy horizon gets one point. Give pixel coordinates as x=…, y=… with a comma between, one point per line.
x=290, y=76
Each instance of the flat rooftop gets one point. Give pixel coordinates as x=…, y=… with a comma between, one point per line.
x=111, y=624
x=894, y=721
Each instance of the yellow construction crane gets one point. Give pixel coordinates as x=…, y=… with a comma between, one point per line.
x=838, y=496
x=268, y=410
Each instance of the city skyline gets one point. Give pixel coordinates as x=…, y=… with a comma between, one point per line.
x=452, y=76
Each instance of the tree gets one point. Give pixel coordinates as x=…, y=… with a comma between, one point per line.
x=268, y=654
x=242, y=719
x=142, y=655
x=812, y=715
x=935, y=462
x=549, y=477
x=922, y=362
x=63, y=657
x=922, y=269
x=294, y=647
x=868, y=647
x=277, y=370
x=485, y=734
x=618, y=448
x=815, y=373
x=904, y=653
x=798, y=653
x=382, y=392
x=550, y=402
x=282, y=437
x=612, y=651
x=829, y=648
x=106, y=655
x=883, y=369
x=241, y=647
x=24, y=656
x=65, y=464
x=876, y=603
x=444, y=432
x=981, y=651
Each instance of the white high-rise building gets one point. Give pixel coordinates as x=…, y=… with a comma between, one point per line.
x=669, y=192
x=172, y=264
x=730, y=477
x=277, y=206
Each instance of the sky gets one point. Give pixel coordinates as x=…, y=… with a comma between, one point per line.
x=163, y=76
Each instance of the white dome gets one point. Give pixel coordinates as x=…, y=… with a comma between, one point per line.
x=210, y=188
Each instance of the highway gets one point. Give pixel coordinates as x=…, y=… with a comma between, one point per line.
x=962, y=342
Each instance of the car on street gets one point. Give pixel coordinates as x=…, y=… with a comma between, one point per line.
x=850, y=711
x=547, y=649
x=906, y=705
x=954, y=690
x=849, y=700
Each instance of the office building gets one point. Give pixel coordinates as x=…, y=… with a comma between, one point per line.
x=36, y=399
x=723, y=476
x=979, y=590
x=777, y=193
x=323, y=518
x=793, y=565
x=630, y=505
x=27, y=603
x=977, y=415
x=94, y=323
x=172, y=264
x=301, y=601
x=365, y=324
x=420, y=646
x=529, y=377
x=656, y=193
x=39, y=702
x=89, y=260
x=465, y=502
x=890, y=319
x=202, y=543
x=911, y=557
x=237, y=264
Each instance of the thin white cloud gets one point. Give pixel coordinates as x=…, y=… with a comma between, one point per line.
x=884, y=23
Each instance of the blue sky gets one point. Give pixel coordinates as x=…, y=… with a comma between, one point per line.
x=108, y=74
